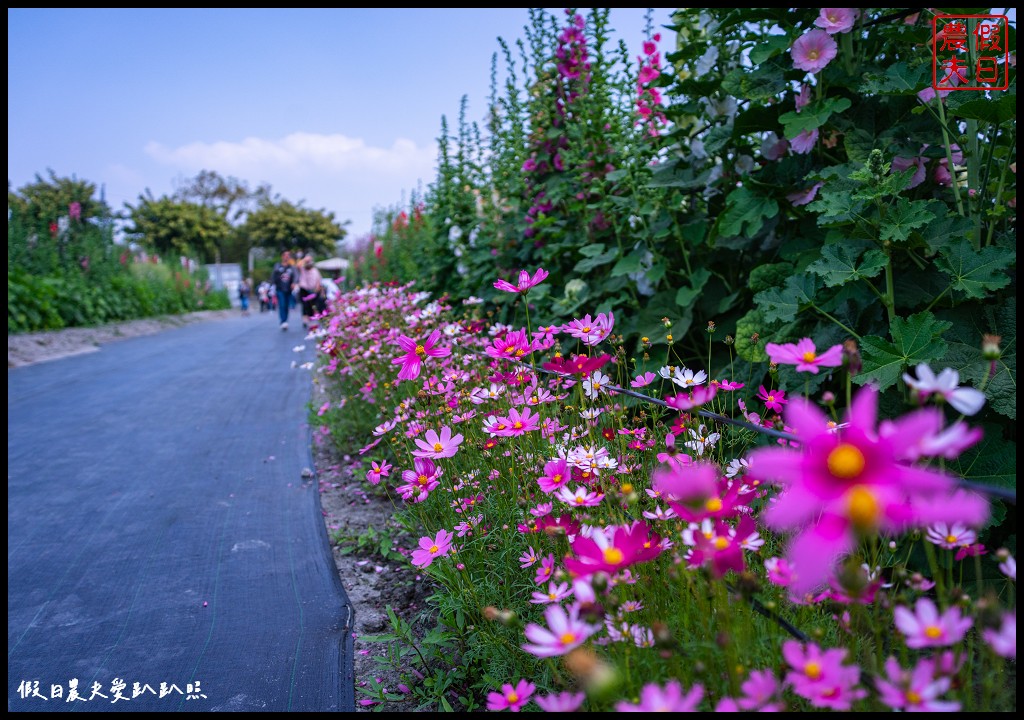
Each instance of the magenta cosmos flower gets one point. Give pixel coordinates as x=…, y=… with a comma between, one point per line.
x=820, y=676
x=813, y=51
x=565, y=631
x=804, y=355
x=525, y=281
x=671, y=698
x=915, y=691
x=591, y=331
x=613, y=548
x=431, y=548
x=562, y=702
x=511, y=697
x=415, y=352
x=773, y=400
x=842, y=485
x=926, y=627
x=438, y=446
x=836, y=20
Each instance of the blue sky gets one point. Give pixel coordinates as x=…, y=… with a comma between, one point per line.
x=338, y=108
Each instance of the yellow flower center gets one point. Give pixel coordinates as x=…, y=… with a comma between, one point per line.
x=556, y=478
x=422, y=479
x=518, y=425
x=434, y=549
x=553, y=596
x=713, y=504
x=809, y=356
x=512, y=697
x=420, y=350
x=863, y=507
x=812, y=670
x=813, y=55
x=586, y=329
x=721, y=543
x=627, y=487
x=438, y=447
x=567, y=638
x=580, y=499
x=771, y=398
x=933, y=632
x=613, y=556
x=913, y=698
x=846, y=461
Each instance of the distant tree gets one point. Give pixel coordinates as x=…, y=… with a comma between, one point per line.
x=176, y=227
x=43, y=202
x=281, y=226
x=233, y=200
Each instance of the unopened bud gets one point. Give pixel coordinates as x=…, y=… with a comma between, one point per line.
x=851, y=357
x=729, y=340
x=711, y=326
x=600, y=679
x=666, y=322
x=990, y=349
x=828, y=398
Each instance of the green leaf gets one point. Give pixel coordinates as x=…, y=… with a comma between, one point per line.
x=746, y=326
x=915, y=340
x=770, y=45
x=898, y=79
x=964, y=356
x=629, y=264
x=768, y=276
x=813, y=116
x=976, y=273
x=686, y=295
x=841, y=264
x=992, y=461
x=588, y=264
x=745, y=213
x=970, y=106
x=783, y=304
x=592, y=249
x=904, y=217
x=946, y=231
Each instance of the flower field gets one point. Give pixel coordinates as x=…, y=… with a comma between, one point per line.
x=695, y=376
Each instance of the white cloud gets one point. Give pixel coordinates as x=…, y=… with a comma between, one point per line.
x=335, y=172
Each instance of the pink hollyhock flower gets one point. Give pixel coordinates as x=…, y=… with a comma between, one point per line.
x=431, y=548
x=773, y=400
x=591, y=331
x=415, y=352
x=920, y=165
x=804, y=355
x=842, y=485
x=562, y=702
x=511, y=697
x=378, y=472
x=1004, y=640
x=804, y=142
x=950, y=536
x=813, y=50
x=614, y=548
x=556, y=474
x=565, y=631
x=805, y=197
x=654, y=698
x=555, y=593
x=525, y=281
x=946, y=384
x=914, y=691
x=837, y=20
x=438, y=446
x=820, y=676
x=774, y=148
x=803, y=98
x=926, y=627
x=643, y=380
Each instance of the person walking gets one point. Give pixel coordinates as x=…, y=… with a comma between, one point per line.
x=311, y=291
x=244, y=289
x=284, y=278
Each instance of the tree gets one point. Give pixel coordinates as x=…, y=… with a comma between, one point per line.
x=283, y=226
x=44, y=202
x=232, y=199
x=177, y=227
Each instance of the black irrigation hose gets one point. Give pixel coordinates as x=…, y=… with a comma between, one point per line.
x=1005, y=494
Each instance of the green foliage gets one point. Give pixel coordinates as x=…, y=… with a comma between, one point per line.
x=283, y=226
x=171, y=227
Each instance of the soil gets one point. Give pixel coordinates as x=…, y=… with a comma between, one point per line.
x=353, y=514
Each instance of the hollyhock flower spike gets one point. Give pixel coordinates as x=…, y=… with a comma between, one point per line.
x=813, y=51
x=804, y=355
x=415, y=352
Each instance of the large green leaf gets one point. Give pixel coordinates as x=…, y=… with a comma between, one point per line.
x=903, y=218
x=976, y=273
x=964, y=355
x=813, y=116
x=842, y=263
x=745, y=213
x=768, y=46
x=746, y=326
x=916, y=339
x=898, y=79
x=687, y=294
x=783, y=304
x=588, y=264
x=970, y=106
x=630, y=263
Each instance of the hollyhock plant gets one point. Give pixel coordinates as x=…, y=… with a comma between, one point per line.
x=925, y=627
x=843, y=485
x=805, y=197
x=820, y=676
x=804, y=142
x=614, y=548
x=415, y=352
x=804, y=355
x=432, y=548
x=525, y=282
x=813, y=50
x=946, y=385
x=837, y=20
x=670, y=698
x=565, y=631
x=511, y=697
x=438, y=446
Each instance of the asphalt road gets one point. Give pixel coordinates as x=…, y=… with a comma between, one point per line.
x=160, y=529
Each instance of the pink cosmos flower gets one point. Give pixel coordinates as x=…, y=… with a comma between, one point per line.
x=654, y=698
x=951, y=535
x=804, y=142
x=820, y=676
x=580, y=497
x=512, y=345
x=837, y=20
x=926, y=627
x=813, y=51
x=721, y=549
x=546, y=569
x=431, y=548
x=565, y=631
x=1008, y=567
x=946, y=384
x=525, y=281
x=642, y=380
x=842, y=485
x=591, y=331
x=415, y=352
x=555, y=593
x=521, y=423
x=729, y=385
x=1004, y=640
x=773, y=400
x=779, y=571
x=556, y=474
x=700, y=395
x=511, y=697
x=693, y=492
x=805, y=197
x=760, y=692
x=804, y=355
x=438, y=446
x=614, y=548
x=528, y=558
x=377, y=472
x=562, y=702
x=917, y=690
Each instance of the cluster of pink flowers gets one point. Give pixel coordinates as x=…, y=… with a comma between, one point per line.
x=648, y=97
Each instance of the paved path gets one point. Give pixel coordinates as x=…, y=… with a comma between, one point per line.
x=160, y=529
